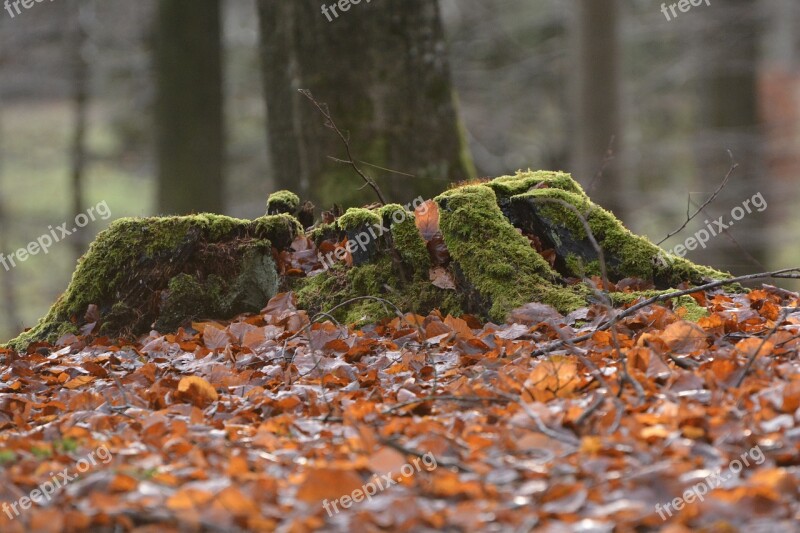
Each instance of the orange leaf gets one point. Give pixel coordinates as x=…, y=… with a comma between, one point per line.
x=78, y=382
x=327, y=484
x=426, y=217
x=197, y=390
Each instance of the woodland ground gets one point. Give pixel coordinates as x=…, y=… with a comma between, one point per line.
x=253, y=424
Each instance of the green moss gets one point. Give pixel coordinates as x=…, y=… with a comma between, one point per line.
x=693, y=311
x=522, y=182
x=628, y=255
x=186, y=298
x=282, y=202
x=407, y=239
x=357, y=218
x=280, y=230
x=579, y=268
x=323, y=232
x=495, y=257
x=135, y=258
x=331, y=288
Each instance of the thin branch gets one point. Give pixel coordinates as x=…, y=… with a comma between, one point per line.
x=689, y=218
x=786, y=273
x=609, y=156
x=625, y=376
x=329, y=122
x=566, y=438
x=741, y=248
x=445, y=398
x=752, y=358
x=416, y=453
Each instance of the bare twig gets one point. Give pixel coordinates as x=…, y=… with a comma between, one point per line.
x=741, y=248
x=786, y=273
x=609, y=156
x=596, y=374
x=752, y=357
x=625, y=377
x=329, y=122
x=415, y=453
x=690, y=217
x=566, y=438
x=444, y=398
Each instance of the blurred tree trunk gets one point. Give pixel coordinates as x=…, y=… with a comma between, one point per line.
x=80, y=102
x=189, y=106
x=11, y=318
x=596, y=122
x=729, y=120
x=383, y=71
x=780, y=114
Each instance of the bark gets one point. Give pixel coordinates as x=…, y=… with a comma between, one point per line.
x=729, y=120
x=597, y=122
x=80, y=102
x=382, y=69
x=10, y=312
x=189, y=107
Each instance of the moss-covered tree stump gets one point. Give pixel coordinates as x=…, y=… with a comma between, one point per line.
x=163, y=272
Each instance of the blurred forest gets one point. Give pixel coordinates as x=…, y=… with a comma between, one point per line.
x=173, y=106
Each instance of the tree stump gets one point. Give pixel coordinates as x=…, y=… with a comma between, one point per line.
x=484, y=249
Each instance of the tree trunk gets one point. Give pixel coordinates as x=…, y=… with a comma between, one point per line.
x=596, y=122
x=11, y=316
x=189, y=107
x=80, y=102
x=382, y=69
x=729, y=120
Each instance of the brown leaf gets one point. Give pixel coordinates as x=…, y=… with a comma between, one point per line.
x=684, y=337
x=426, y=217
x=534, y=313
x=197, y=391
x=327, y=484
x=442, y=278
x=437, y=250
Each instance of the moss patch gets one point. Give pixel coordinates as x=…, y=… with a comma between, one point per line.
x=407, y=239
x=522, y=182
x=333, y=287
x=138, y=268
x=356, y=219
x=166, y=271
x=495, y=258
x=282, y=202
x=627, y=255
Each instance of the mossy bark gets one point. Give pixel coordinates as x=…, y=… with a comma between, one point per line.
x=163, y=272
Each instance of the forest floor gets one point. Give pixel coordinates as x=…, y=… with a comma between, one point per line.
x=275, y=422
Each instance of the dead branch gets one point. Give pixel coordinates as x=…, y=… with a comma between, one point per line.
x=786, y=273
x=752, y=357
x=713, y=197
x=625, y=377
x=329, y=123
